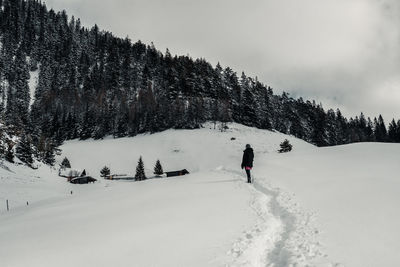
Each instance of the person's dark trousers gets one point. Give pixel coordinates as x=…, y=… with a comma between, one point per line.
x=248, y=176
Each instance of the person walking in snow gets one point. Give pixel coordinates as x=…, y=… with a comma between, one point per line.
x=247, y=161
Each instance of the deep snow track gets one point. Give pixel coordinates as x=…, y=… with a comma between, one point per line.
x=280, y=255
x=253, y=247
x=284, y=235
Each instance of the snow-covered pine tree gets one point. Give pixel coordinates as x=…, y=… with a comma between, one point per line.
x=18, y=93
x=24, y=150
x=2, y=150
x=158, y=170
x=3, y=139
x=49, y=157
x=65, y=163
x=248, y=105
x=285, y=146
x=369, y=130
x=380, y=130
x=9, y=156
x=140, y=175
x=105, y=171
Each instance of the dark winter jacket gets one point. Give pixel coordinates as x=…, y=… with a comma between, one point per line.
x=248, y=157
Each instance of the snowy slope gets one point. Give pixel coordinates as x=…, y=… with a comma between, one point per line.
x=354, y=190
x=20, y=184
x=196, y=150
x=311, y=207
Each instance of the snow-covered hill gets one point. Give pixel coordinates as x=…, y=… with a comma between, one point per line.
x=310, y=207
x=354, y=192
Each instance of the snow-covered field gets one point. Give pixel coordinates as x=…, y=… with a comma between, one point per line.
x=354, y=192
x=313, y=206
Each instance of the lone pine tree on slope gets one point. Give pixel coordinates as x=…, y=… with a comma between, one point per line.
x=65, y=163
x=140, y=175
x=158, y=170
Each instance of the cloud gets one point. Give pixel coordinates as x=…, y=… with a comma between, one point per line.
x=344, y=53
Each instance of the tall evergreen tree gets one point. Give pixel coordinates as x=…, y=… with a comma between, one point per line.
x=247, y=103
x=380, y=130
x=24, y=150
x=49, y=153
x=158, y=170
x=18, y=94
x=140, y=174
x=9, y=156
x=369, y=131
x=392, y=132
x=319, y=128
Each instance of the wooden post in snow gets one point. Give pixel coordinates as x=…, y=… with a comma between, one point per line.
x=7, y=205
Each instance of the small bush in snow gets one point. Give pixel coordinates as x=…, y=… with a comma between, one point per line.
x=285, y=146
x=223, y=127
x=105, y=171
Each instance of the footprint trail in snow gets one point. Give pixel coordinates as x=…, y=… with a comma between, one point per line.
x=284, y=234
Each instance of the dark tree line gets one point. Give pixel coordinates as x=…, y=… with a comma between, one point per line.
x=92, y=84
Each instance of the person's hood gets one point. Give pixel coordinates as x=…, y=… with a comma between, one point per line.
x=249, y=148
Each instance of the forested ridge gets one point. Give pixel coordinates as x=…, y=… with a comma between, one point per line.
x=91, y=84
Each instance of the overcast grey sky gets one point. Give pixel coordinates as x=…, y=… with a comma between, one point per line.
x=343, y=53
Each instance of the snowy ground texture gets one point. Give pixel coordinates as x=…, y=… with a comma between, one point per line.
x=334, y=206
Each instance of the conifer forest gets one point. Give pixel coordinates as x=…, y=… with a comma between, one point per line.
x=90, y=84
